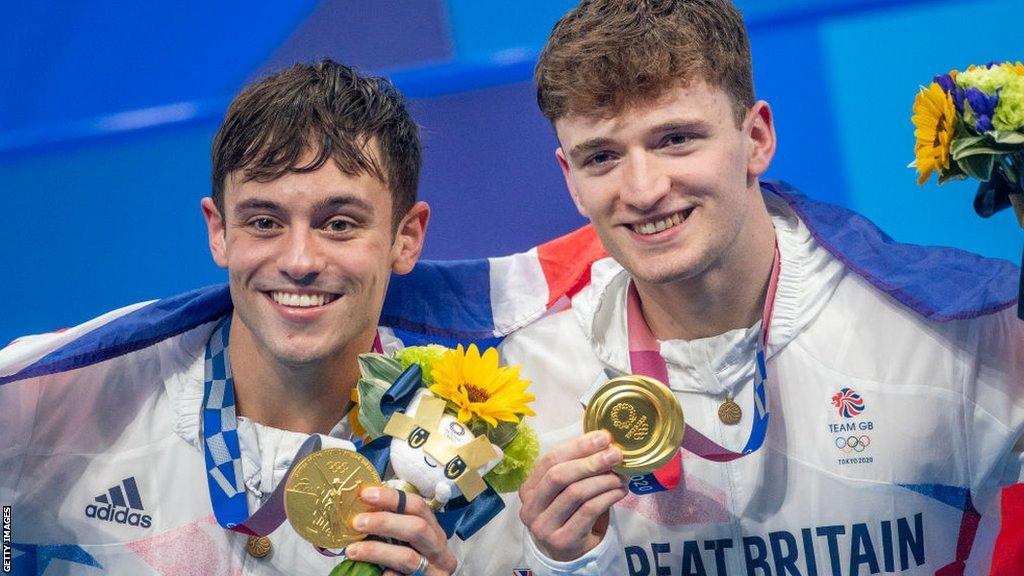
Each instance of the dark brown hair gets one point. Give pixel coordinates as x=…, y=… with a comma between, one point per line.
x=329, y=110
x=605, y=55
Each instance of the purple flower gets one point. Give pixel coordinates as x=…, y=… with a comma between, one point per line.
x=945, y=81
x=948, y=85
x=983, y=106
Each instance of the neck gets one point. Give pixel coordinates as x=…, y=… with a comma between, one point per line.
x=728, y=295
x=307, y=397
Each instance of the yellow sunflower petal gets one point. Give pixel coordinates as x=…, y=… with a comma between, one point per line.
x=934, y=114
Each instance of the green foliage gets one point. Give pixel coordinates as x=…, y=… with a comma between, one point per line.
x=978, y=166
x=354, y=568
x=378, y=373
x=425, y=356
x=520, y=456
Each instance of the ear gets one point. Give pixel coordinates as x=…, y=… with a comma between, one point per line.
x=409, y=238
x=570, y=182
x=215, y=231
x=761, y=133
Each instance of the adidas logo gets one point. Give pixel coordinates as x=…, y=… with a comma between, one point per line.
x=118, y=506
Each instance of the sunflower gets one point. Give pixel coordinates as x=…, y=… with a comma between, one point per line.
x=478, y=387
x=933, y=117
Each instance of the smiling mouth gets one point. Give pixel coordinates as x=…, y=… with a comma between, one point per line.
x=655, y=226
x=293, y=300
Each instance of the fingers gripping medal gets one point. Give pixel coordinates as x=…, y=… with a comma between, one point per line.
x=644, y=418
x=322, y=496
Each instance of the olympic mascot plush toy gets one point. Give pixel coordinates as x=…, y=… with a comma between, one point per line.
x=435, y=454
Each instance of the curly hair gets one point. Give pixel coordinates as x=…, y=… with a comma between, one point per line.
x=605, y=55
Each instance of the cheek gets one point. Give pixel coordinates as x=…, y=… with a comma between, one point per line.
x=368, y=267
x=600, y=198
x=243, y=256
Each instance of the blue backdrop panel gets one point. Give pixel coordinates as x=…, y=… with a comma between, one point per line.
x=95, y=228
x=68, y=60
x=490, y=173
x=789, y=73
x=875, y=64
x=369, y=34
x=482, y=28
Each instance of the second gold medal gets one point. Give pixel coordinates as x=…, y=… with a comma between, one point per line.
x=644, y=419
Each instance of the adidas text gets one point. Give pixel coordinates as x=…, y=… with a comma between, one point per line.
x=118, y=515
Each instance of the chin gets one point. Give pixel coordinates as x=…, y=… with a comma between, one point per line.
x=298, y=352
x=663, y=271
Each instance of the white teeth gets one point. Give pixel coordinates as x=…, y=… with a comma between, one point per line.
x=301, y=300
x=659, y=225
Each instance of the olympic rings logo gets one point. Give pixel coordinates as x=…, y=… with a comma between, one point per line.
x=853, y=443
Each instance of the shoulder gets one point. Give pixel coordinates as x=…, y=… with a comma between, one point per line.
x=937, y=283
x=864, y=333
x=80, y=390
x=112, y=335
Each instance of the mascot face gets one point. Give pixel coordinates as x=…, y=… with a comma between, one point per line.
x=436, y=453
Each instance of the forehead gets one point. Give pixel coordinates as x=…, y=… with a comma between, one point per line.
x=694, y=102
x=298, y=191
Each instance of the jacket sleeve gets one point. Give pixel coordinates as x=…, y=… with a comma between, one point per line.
x=994, y=384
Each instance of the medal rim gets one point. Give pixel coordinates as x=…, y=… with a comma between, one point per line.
x=293, y=518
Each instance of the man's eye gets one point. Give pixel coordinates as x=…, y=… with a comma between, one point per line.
x=598, y=159
x=263, y=224
x=339, y=225
x=676, y=139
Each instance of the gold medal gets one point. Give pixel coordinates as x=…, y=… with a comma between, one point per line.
x=644, y=419
x=730, y=412
x=321, y=496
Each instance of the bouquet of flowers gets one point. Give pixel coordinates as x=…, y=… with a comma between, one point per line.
x=450, y=424
x=491, y=401
x=971, y=124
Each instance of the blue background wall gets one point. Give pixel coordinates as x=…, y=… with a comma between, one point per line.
x=107, y=108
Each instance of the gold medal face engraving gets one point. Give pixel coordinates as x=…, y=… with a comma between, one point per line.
x=644, y=419
x=321, y=496
x=258, y=546
x=730, y=412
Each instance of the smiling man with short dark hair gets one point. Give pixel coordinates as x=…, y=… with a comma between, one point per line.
x=187, y=413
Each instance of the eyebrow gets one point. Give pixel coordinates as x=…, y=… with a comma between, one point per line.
x=588, y=146
x=253, y=204
x=340, y=201
x=679, y=125
x=594, y=144
x=327, y=204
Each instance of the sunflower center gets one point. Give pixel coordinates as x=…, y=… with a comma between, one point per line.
x=476, y=394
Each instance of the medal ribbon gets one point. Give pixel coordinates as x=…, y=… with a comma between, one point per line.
x=645, y=359
x=223, y=453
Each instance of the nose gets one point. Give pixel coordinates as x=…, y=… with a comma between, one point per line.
x=301, y=259
x=644, y=183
